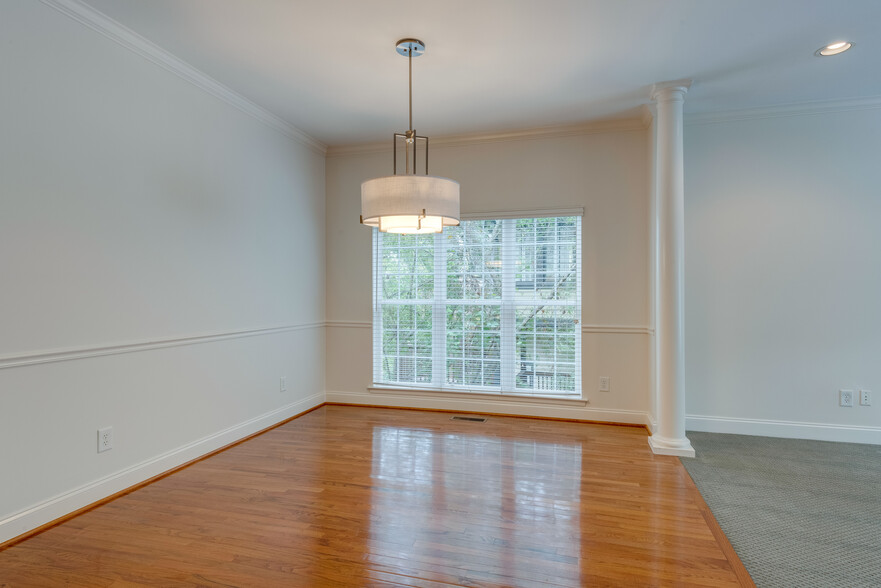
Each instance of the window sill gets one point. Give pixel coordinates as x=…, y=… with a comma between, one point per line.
x=481, y=395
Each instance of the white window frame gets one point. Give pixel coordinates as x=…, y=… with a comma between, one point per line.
x=507, y=315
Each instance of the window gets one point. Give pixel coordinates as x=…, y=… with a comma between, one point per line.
x=488, y=306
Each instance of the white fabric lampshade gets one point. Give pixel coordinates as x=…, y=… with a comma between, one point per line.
x=410, y=203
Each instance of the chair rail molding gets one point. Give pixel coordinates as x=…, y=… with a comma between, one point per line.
x=71, y=353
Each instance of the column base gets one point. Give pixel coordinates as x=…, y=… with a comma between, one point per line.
x=663, y=446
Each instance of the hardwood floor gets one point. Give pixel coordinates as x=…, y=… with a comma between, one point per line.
x=353, y=496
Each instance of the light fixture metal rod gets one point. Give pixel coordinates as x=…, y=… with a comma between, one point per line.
x=410, y=133
x=410, y=63
x=409, y=48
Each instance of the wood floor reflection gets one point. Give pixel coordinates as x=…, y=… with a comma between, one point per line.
x=349, y=496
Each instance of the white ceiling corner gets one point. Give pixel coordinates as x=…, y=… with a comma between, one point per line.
x=327, y=71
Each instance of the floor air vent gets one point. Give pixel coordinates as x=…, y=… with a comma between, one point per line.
x=464, y=418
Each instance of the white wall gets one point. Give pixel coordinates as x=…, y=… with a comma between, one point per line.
x=606, y=173
x=783, y=274
x=137, y=208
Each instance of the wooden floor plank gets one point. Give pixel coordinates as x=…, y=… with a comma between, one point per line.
x=356, y=496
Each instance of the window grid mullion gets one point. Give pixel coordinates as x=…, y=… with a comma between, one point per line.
x=578, y=318
x=439, y=313
x=508, y=315
x=377, y=308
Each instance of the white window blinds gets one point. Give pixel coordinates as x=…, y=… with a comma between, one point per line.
x=493, y=305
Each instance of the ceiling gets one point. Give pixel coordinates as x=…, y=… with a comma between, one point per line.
x=329, y=66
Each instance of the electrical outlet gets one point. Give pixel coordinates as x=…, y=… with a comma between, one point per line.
x=283, y=384
x=865, y=398
x=845, y=398
x=105, y=439
x=605, y=383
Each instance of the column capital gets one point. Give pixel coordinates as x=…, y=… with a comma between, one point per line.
x=672, y=90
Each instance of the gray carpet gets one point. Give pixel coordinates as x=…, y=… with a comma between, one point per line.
x=803, y=514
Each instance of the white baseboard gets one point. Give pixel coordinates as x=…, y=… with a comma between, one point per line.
x=462, y=402
x=75, y=499
x=651, y=423
x=785, y=429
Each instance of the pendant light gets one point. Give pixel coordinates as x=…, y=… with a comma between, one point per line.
x=409, y=202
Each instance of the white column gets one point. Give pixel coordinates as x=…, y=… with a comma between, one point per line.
x=669, y=438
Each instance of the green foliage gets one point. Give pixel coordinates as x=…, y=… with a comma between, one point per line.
x=473, y=372
x=390, y=287
x=406, y=291
x=492, y=373
x=525, y=318
x=455, y=371
x=473, y=346
x=473, y=317
x=425, y=261
x=425, y=287
x=472, y=286
x=491, y=346
x=423, y=370
x=455, y=314
x=565, y=348
x=455, y=344
x=492, y=317
x=390, y=343
x=423, y=316
x=389, y=316
x=455, y=287
x=406, y=317
x=423, y=344
x=406, y=343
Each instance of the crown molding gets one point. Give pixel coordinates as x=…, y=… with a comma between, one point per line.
x=113, y=30
x=788, y=109
x=647, y=115
x=122, y=35
x=552, y=132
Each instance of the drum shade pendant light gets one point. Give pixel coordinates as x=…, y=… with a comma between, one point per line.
x=410, y=203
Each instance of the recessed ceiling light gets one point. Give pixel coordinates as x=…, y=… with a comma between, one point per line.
x=833, y=48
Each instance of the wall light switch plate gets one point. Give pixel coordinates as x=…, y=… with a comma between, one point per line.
x=605, y=383
x=283, y=384
x=865, y=398
x=845, y=398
